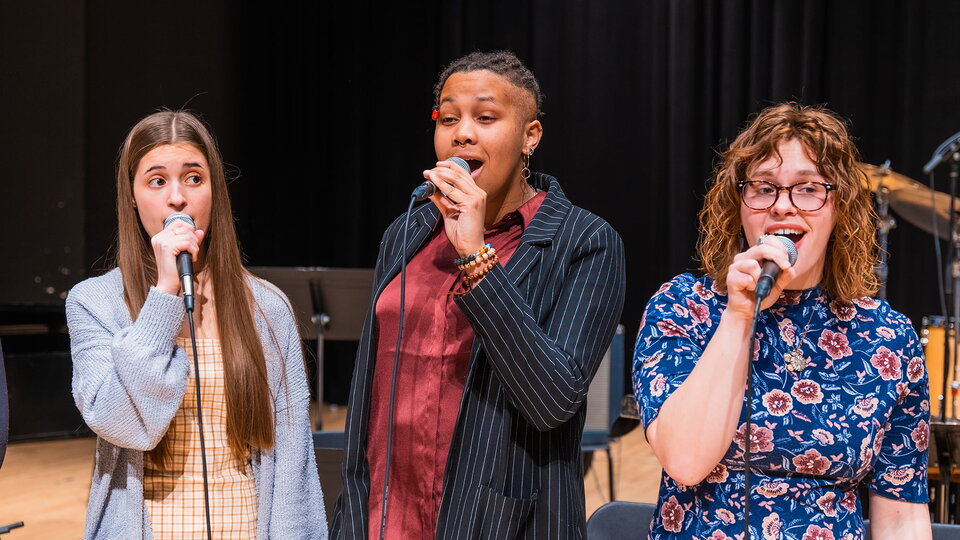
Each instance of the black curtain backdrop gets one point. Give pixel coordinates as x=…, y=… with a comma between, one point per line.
x=322, y=110
x=639, y=97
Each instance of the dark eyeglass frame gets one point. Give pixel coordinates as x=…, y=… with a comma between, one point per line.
x=741, y=184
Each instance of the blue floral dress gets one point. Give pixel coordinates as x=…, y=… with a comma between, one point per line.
x=860, y=409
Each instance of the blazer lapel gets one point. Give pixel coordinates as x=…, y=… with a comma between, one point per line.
x=422, y=222
x=541, y=230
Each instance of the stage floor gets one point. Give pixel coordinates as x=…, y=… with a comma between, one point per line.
x=45, y=484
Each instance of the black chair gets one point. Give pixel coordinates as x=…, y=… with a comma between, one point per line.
x=603, y=405
x=620, y=519
x=941, y=531
x=4, y=428
x=328, y=447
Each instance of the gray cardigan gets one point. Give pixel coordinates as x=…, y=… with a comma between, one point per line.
x=129, y=379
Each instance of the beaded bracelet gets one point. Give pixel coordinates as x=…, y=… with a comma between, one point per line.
x=471, y=279
x=474, y=259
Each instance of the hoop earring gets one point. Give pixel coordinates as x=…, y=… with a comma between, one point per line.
x=525, y=172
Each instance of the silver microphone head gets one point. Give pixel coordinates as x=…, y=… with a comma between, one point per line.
x=460, y=162
x=178, y=215
x=787, y=243
x=427, y=188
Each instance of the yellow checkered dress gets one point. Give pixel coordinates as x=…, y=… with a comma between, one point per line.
x=174, y=495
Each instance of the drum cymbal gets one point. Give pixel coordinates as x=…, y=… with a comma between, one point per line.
x=922, y=206
x=912, y=200
x=878, y=176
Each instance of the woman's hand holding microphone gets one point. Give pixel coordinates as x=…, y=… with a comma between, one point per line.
x=744, y=274
x=462, y=204
x=176, y=237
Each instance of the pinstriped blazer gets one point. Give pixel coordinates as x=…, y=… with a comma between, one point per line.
x=542, y=325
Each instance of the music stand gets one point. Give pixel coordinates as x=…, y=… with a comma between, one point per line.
x=329, y=304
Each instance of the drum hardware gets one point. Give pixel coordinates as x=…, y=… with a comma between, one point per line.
x=885, y=222
x=936, y=213
x=942, y=374
x=911, y=200
x=953, y=285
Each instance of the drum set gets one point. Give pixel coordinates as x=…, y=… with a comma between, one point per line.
x=938, y=214
x=928, y=210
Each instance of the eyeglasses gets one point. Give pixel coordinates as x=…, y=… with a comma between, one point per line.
x=805, y=196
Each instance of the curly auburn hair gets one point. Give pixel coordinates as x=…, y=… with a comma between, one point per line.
x=503, y=63
x=848, y=271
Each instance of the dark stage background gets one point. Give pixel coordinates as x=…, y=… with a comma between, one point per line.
x=322, y=111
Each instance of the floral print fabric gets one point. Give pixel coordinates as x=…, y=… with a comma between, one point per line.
x=859, y=410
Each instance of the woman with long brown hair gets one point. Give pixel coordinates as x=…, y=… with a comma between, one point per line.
x=839, y=390
x=133, y=376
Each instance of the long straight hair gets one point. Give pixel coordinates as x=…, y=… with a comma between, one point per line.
x=250, y=416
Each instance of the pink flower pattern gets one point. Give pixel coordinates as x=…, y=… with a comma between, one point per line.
x=761, y=438
x=858, y=411
x=672, y=514
x=921, y=435
x=887, y=364
x=844, y=311
x=778, y=402
x=811, y=462
x=835, y=344
x=807, y=391
x=915, y=369
x=818, y=533
x=772, y=527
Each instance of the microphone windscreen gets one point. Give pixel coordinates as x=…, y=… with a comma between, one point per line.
x=178, y=215
x=791, y=248
x=460, y=162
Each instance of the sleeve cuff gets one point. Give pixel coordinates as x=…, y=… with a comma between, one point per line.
x=160, y=319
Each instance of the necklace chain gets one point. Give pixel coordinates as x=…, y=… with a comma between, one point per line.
x=795, y=359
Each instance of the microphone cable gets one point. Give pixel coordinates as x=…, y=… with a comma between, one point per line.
x=421, y=192
x=746, y=432
x=396, y=363
x=203, y=448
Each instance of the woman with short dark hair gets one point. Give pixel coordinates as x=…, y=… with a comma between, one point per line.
x=512, y=296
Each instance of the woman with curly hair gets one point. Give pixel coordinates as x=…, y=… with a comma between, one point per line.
x=839, y=388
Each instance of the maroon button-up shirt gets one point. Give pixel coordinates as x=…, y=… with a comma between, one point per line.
x=434, y=357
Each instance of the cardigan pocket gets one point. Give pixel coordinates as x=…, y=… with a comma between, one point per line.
x=500, y=517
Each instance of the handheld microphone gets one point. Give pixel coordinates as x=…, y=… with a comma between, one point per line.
x=427, y=188
x=184, y=261
x=770, y=270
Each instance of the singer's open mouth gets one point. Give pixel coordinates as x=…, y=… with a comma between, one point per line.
x=474, y=164
x=789, y=232
x=794, y=237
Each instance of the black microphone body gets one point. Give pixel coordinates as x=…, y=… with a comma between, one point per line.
x=184, y=262
x=427, y=188
x=770, y=270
